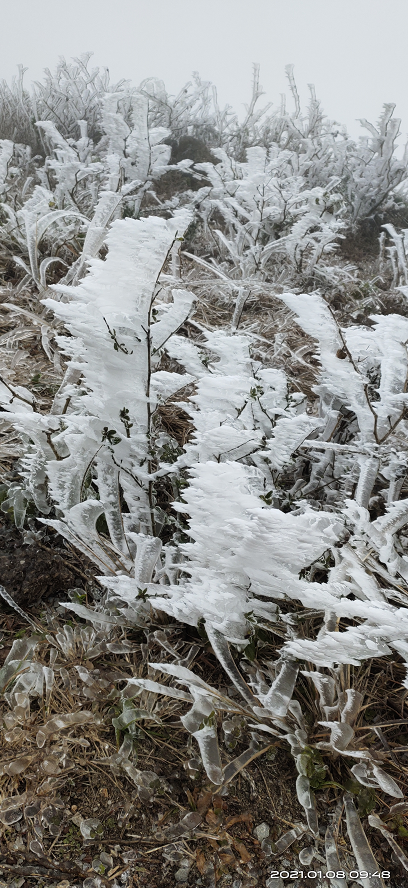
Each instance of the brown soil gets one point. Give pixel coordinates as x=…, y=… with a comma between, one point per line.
x=32, y=573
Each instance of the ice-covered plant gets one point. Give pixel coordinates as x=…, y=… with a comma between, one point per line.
x=97, y=452
x=374, y=172
x=71, y=93
x=394, y=248
x=81, y=188
x=245, y=559
x=280, y=511
x=269, y=212
x=264, y=702
x=17, y=118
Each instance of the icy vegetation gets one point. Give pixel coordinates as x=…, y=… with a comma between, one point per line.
x=281, y=511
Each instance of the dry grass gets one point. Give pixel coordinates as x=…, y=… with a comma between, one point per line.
x=65, y=783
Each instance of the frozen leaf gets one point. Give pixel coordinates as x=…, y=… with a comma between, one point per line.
x=52, y=816
x=307, y=800
x=363, y=773
x=279, y=696
x=13, y=815
x=341, y=735
x=208, y=743
x=4, y=594
x=350, y=708
x=221, y=649
x=91, y=828
x=13, y=802
x=120, y=647
x=33, y=808
x=242, y=761
x=399, y=808
x=148, y=685
x=37, y=848
x=98, y=866
x=386, y=782
x=306, y=856
x=15, y=735
x=303, y=791
x=21, y=649
x=18, y=765
x=326, y=687
x=130, y=715
x=312, y=820
x=60, y=723
x=332, y=857
x=187, y=825
x=361, y=849
x=289, y=837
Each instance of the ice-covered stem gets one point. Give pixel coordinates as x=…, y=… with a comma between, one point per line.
x=368, y=473
x=241, y=297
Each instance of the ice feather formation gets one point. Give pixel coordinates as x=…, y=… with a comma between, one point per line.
x=89, y=431
x=277, y=510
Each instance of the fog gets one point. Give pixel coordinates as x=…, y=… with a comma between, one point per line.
x=353, y=52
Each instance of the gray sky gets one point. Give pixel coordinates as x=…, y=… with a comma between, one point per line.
x=354, y=51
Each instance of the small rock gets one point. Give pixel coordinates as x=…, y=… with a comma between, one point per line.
x=261, y=832
x=182, y=874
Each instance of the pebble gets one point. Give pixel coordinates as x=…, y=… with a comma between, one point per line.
x=261, y=832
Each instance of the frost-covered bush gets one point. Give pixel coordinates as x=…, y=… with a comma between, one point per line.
x=96, y=453
x=80, y=189
x=17, y=117
x=268, y=213
x=281, y=508
x=81, y=139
